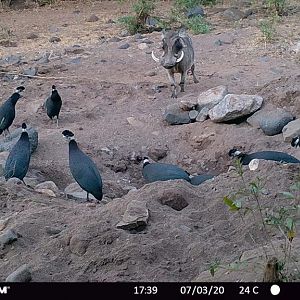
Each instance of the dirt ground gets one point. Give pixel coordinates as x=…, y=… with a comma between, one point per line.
x=101, y=87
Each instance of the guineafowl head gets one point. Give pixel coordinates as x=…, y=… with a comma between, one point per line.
x=69, y=135
x=296, y=142
x=146, y=161
x=234, y=153
x=24, y=127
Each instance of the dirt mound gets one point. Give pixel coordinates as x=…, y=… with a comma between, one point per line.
x=62, y=240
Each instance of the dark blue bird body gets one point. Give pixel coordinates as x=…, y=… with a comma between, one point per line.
x=85, y=171
x=269, y=155
x=53, y=104
x=17, y=163
x=160, y=172
x=8, y=112
x=198, y=179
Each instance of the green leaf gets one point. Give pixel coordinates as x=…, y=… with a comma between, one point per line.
x=289, y=222
x=287, y=195
x=295, y=186
x=233, y=206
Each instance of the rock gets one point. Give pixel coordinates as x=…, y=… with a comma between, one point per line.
x=52, y=230
x=151, y=73
x=42, y=59
x=22, y=274
x=135, y=217
x=296, y=48
x=195, y=11
x=74, y=191
x=138, y=36
x=6, y=144
x=3, y=223
x=7, y=237
x=31, y=181
x=75, y=49
x=12, y=60
x=3, y=158
x=235, y=106
x=291, y=130
x=157, y=153
x=76, y=61
x=124, y=46
x=174, y=115
x=146, y=41
x=254, y=120
x=273, y=122
x=134, y=122
x=11, y=182
x=233, y=14
x=46, y=192
x=203, y=115
x=151, y=22
x=54, y=39
x=114, y=39
x=30, y=71
x=193, y=114
x=92, y=18
x=188, y=102
x=143, y=46
x=124, y=33
x=32, y=36
x=78, y=244
x=212, y=97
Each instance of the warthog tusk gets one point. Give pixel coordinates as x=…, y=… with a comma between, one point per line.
x=180, y=58
x=154, y=57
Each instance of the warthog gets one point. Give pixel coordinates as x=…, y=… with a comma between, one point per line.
x=178, y=57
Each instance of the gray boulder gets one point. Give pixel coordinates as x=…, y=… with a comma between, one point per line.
x=233, y=14
x=22, y=274
x=7, y=143
x=212, y=97
x=291, y=130
x=273, y=122
x=174, y=115
x=195, y=11
x=235, y=106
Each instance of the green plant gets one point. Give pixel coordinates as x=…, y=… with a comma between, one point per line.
x=130, y=23
x=197, y=24
x=188, y=4
x=267, y=27
x=141, y=10
x=278, y=5
x=283, y=218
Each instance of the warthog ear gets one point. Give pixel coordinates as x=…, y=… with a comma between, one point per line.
x=182, y=34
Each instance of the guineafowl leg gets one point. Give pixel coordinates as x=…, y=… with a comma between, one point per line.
x=57, y=122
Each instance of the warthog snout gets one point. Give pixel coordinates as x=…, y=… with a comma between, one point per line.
x=177, y=57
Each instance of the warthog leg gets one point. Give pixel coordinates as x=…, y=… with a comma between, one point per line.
x=193, y=73
x=173, y=83
x=182, y=81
